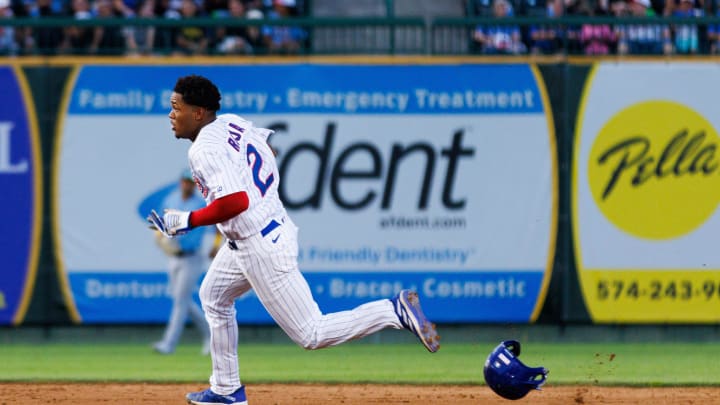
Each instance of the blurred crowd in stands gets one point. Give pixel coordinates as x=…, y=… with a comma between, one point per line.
x=591, y=38
x=647, y=38
x=148, y=40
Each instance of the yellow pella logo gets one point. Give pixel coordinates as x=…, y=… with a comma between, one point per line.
x=653, y=169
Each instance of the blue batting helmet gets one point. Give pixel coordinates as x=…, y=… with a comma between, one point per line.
x=508, y=376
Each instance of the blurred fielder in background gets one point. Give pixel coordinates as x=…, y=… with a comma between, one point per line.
x=236, y=171
x=185, y=265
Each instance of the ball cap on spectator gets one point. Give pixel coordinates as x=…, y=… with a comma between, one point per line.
x=645, y=3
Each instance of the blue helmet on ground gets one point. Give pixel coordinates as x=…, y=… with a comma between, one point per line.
x=508, y=376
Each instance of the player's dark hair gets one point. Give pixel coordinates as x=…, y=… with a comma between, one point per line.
x=198, y=91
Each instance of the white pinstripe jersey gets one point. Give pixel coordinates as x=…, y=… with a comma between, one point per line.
x=230, y=155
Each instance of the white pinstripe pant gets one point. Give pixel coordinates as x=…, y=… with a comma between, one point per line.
x=271, y=269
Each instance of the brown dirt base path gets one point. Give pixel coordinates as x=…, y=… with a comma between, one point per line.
x=298, y=394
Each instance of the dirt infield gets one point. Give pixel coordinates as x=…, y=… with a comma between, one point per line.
x=299, y=394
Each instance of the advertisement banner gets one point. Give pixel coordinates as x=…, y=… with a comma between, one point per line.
x=646, y=191
x=439, y=178
x=20, y=180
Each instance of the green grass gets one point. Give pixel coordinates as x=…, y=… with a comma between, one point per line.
x=631, y=364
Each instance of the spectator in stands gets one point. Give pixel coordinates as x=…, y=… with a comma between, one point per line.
x=45, y=40
x=601, y=8
x=191, y=40
x=58, y=7
x=478, y=8
x=170, y=8
x=23, y=35
x=685, y=36
x=619, y=8
x=254, y=32
x=667, y=8
x=234, y=39
x=141, y=39
x=531, y=8
x=572, y=32
x=109, y=40
x=8, y=44
x=217, y=8
x=164, y=40
x=499, y=39
x=127, y=8
x=253, y=5
x=548, y=38
x=575, y=7
x=598, y=39
x=280, y=38
x=121, y=8
x=643, y=38
x=713, y=36
x=79, y=39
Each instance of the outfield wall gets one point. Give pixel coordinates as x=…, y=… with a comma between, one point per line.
x=503, y=193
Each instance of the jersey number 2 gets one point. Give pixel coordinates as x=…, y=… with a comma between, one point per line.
x=256, y=164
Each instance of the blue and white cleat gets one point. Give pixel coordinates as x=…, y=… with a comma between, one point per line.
x=208, y=397
x=407, y=308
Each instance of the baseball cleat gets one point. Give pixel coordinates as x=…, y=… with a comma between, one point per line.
x=160, y=348
x=208, y=397
x=407, y=308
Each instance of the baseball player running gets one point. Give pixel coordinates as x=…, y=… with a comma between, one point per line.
x=235, y=169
